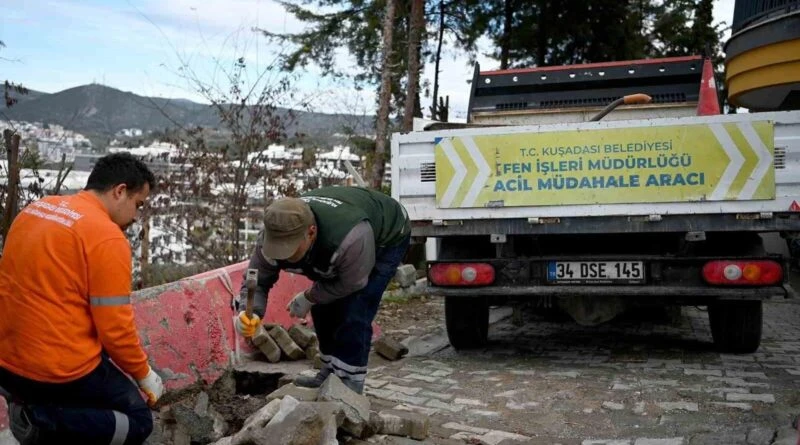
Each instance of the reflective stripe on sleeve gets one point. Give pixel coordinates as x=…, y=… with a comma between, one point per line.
x=109, y=301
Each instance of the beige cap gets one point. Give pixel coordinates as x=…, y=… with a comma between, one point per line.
x=285, y=226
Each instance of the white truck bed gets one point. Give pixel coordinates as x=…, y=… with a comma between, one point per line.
x=414, y=174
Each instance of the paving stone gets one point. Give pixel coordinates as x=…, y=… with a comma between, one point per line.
x=302, y=335
x=510, y=393
x=621, y=387
x=406, y=275
x=606, y=442
x=418, y=409
x=495, y=437
x=735, y=405
x=407, y=390
x=484, y=413
x=614, y=406
x=400, y=423
x=438, y=404
x=564, y=374
x=374, y=383
x=469, y=402
x=760, y=436
x=437, y=395
x=746, y=375
x=645, y=382
x=467, y=428
x=424, y=378
x=705, y=372
x=300, y=393
x=678, y=406
x=786, y=436
x=670, y=441
x=409, y=399
x=737, y=381
x=389, y=348
x=521, y=406
x=764, y=398
x=380, y=393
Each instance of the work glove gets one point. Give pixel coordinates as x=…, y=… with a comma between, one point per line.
x=152, y=386
x=246, y=326
x=299, y=306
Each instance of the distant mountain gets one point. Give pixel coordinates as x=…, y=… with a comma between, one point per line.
x=102, y=110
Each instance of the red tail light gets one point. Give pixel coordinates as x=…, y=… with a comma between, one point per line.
x=742, y=273
x=461, y=274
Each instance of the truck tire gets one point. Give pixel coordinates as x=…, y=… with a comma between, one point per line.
x=736, y=325
x=467, y=321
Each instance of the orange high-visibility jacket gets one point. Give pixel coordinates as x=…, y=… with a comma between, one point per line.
x=65, y=284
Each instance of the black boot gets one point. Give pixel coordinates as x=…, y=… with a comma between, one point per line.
x=21, y=427
x=310, y=382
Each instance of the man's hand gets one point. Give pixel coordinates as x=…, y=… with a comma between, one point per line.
x=246, y=327
x=152, y=386
x=299, y=306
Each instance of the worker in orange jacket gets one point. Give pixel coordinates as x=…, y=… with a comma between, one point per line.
x=65, y=313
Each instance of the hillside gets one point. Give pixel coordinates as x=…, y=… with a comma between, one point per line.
x=102, y=110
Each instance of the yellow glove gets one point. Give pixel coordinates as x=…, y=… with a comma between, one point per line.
x=152, y=386
x=246, y=327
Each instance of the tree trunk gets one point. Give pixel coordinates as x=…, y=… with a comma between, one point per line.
x=508, y=22
x=439, y=42
x=414, y=40
x=12, y=197
x=144, y=259
x=382, y=125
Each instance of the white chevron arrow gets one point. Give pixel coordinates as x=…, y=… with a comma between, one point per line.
x=458, y=177
x=764, y=160
x=735, y=164
x=483, y=172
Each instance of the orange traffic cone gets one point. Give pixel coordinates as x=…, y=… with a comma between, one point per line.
x=708, y=104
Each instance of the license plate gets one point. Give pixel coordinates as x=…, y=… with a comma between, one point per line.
x=596, y=272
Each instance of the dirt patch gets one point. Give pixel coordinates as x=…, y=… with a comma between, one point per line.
x=399, y=318
x=235, y=406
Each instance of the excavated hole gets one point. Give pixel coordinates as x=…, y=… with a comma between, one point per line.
x=256, y=383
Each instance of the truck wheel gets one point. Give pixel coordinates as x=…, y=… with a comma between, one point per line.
x=736, y=325
x=467, y=321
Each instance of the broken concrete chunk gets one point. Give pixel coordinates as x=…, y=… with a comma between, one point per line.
x=389, y=349
x=224, y=441
x=406, y=275
x=299, y=393
x=261, y=418
x=356, y=406
x=289, y=347
x=302, y=335
x=404, y=423
x=202, y=423
x=318, y=362
x=267, y=345
x=295, y=424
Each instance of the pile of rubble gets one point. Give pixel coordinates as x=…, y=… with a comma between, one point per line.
x=259, y=405
x=290, y=415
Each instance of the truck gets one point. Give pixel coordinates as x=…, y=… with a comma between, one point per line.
x=548, y=196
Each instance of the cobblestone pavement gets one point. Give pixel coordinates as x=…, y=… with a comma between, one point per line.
x=624, y=383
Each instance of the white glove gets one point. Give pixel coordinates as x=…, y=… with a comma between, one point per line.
x=299, y=306
x=152, y=386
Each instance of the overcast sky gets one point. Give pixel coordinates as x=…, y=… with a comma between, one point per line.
x=138, y=45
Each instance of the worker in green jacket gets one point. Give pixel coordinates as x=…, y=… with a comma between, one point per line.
x=349, y=241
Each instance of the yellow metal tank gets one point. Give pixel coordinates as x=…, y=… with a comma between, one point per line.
x=762, y=60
